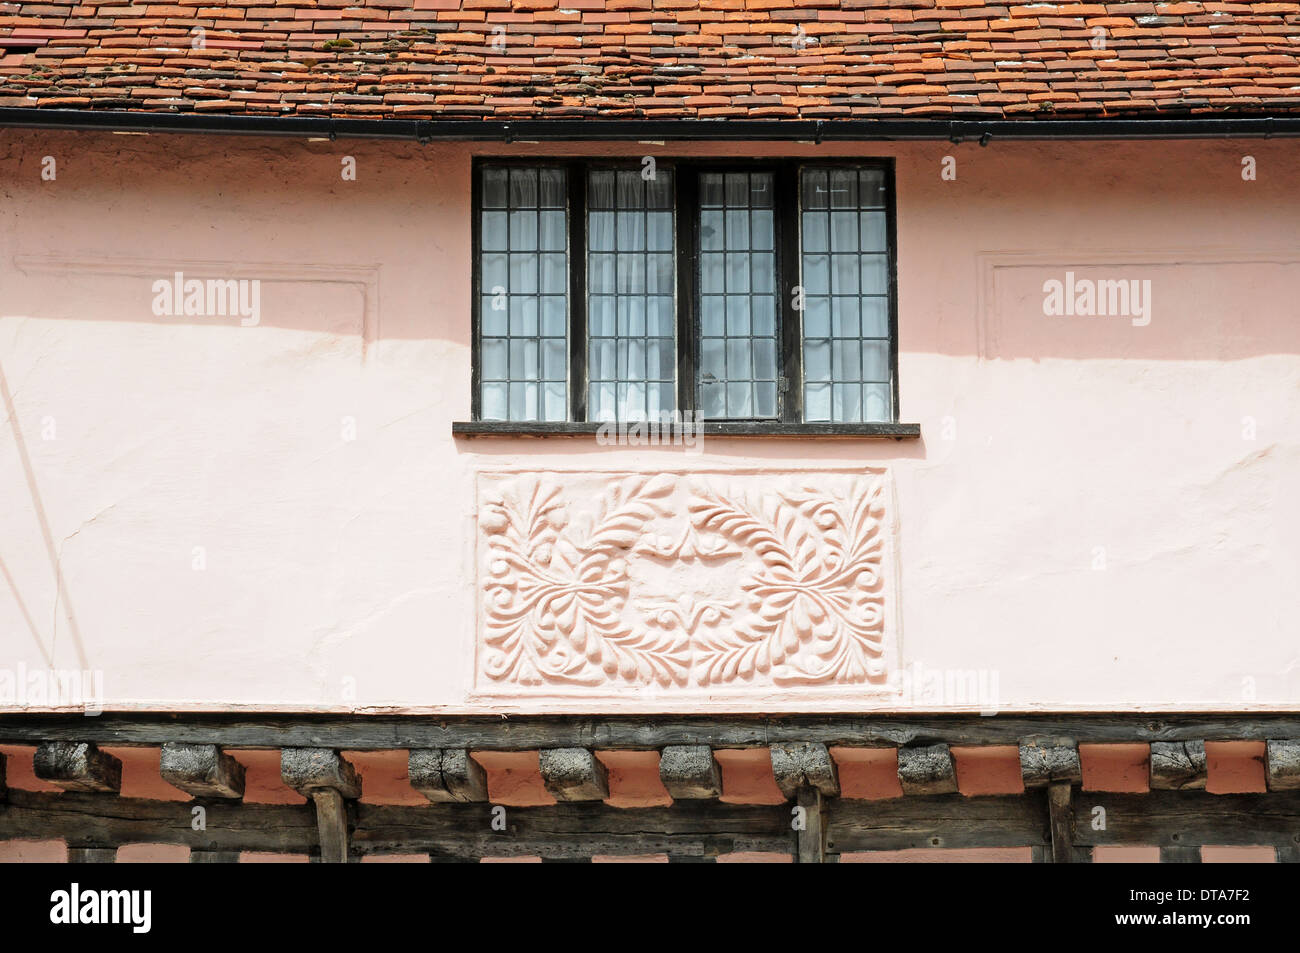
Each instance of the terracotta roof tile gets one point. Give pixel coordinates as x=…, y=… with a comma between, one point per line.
x=653, y=59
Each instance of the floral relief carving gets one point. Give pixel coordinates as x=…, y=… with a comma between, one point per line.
x=684, y=582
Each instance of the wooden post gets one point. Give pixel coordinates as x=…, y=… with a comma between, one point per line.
x=1061, y=812
x=327, y=779
x=92, y=855
x=1180, y=855
x=214, y=856
x=811, y=840
x=332, y=822
x=806, y=773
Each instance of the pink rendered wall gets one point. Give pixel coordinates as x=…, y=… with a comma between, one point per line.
x=1098, y=515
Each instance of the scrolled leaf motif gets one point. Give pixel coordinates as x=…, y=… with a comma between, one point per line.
x=817, y=611
x=554, y=609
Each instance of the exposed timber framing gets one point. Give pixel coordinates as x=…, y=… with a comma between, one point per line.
x=573, y=774
x=446, y=776
x=214, y=856
x=78, y=767
x=688, y=830
x=1060, y=809
x=1281, y=759
x=202, y=770
x=810, y=828
x=816, y=824
x=568, y=130
x=927, y=770
x=92, y=855
x=798, y=767
x=329, y=780
x=532, y=732
x=1178, y=765
x=690, y=772
x=1043, y=765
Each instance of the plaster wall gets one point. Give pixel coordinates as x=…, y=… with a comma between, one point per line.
x=1099, y=515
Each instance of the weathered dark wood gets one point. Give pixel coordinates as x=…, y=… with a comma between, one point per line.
x=1061, y=817
x=78, y=766
x=699, y=829
x=947, y=820
x=1178, y=765
x=1288, y=853
x=528, y=428
x=1192, y=818
x=532, y=732
x=1180, y=855
x=202, y=770
x=804, y=764
x=90, y=820
x=92, y=855
x=811, y=841
x=573, y=774
x=927, y=770
x=307, y=770
x=447, y=776
x=332, y=825
x=1042, y=764
x=2, y=778
x=690, y=772
x=688, y=829
x=329, y=780
x=1282, y=764
x=214, y=856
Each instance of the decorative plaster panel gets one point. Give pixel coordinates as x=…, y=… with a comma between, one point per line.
x=679, y=583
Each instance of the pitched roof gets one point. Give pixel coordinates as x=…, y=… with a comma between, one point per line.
x=653, y=59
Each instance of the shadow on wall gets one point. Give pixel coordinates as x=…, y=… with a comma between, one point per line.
x=1073, y=250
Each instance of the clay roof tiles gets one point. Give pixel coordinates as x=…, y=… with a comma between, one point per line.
x=653, y=59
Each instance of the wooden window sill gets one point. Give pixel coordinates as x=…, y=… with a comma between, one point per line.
x=521, y=428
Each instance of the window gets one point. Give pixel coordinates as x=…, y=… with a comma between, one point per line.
x=755, y=296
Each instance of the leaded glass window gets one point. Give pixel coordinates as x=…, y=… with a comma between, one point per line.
x=523, y=294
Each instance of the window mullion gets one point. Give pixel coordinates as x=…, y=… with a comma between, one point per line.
x=687, y=211
x=787, y=258
x=578, y=386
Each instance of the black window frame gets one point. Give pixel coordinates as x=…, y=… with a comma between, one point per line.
x=686, y=212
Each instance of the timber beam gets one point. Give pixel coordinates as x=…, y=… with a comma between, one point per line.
x=202, y=770
x=690, y=772
x=330, y=781
x=78, y=767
